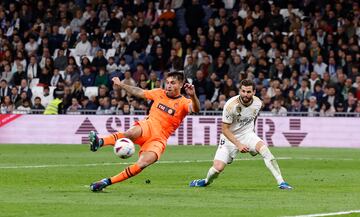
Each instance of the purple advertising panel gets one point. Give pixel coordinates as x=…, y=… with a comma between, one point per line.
x=195, y=130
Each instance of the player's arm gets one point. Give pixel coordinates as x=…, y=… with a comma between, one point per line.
x=190, y=90
x=261, y=108
x=230, y=136
x=135, y=91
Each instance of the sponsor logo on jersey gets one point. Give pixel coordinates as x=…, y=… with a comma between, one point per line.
x=238, y=110
x=166, y=109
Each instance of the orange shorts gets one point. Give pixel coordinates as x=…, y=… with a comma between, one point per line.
x=151, y=138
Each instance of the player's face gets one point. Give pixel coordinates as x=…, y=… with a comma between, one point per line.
x=246, y=93
x=172, y=87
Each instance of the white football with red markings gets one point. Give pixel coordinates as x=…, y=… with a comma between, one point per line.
x=124, y=148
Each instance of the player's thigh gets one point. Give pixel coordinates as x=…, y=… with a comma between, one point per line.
x=226, y=151
x=251, y=140
x=155, y=145
x=142, y=132
x=134, y=132
x=147, y=158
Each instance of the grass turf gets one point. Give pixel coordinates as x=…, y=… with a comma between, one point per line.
x=325, y=180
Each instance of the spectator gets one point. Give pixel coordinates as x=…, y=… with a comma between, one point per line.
x=24, y=108
x=151, y=83
x=332, y=97
x=24, y=87
x=7, y=107
x=127, y=80
x=77, y=91
x=31, y=46
x=74, y=108
x=101, y=78
x=18, y=76
x=190, y=68
x=23, y=97
x=278, y=109
x=33, y=69
x=350, y=103
x=296, y=105
x=320, y=66
x=88, y=104
x=14, y=95
x=4, y=89
x=56, y=78
x=71, y=75
x=83, y=47
x=203, y=87
x=313, y=107
x=7, y=74
x=88, y=78
x=46, y=97
x=99, y=61
x=95, y=47
x=123, y=66
x=105, y=107
x=77, y=21
x=111, y=66
x=303, y=92
x=327, y=110
x=61, y=61
x=37, y=104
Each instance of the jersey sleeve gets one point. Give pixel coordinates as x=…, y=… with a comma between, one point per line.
x=227, y=116
x=187, y=105
x=152, y=94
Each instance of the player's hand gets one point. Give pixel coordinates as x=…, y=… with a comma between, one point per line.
x=116, y=81
x=189, y=89
x=243, y=148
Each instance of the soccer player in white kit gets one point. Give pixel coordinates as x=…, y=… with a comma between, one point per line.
x=239, y=116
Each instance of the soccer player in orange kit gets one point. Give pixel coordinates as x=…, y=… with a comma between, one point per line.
x=168, y=110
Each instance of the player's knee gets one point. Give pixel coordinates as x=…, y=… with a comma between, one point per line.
x=266, y=153
x=146, y=160
x=219, y=165
x=133, y=133
x=144, y=163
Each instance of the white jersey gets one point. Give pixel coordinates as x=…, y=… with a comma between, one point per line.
x=241, y=118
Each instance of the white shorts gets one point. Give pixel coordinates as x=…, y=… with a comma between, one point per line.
x=227, y=151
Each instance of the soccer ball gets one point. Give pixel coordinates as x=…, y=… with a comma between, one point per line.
x=124, y=148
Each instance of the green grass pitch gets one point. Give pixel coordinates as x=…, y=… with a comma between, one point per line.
x=52, y=180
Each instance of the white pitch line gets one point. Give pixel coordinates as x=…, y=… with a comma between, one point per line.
x=123, y=163
x=328, y=214
x=163, y=162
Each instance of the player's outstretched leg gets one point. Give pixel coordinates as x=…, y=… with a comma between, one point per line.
x=212, y=174
x=100, y=185
x=97, y=142
x=146, y=159
x=272, y=165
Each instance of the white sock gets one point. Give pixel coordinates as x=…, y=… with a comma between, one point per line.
x=211, y=175
x=271, y=164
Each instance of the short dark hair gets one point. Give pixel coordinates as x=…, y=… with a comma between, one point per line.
x=247, y=82
x=178, y=75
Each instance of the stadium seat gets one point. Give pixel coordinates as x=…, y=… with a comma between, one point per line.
x=55, y=53
x=90, y=58
x=72, y=52
x=52, y=88
x=34, y=82
x=91, y=91
x=62, y=73
x=37, y=91
x=110, y=53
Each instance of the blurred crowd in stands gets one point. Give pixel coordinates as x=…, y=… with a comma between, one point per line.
x=303, y=55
